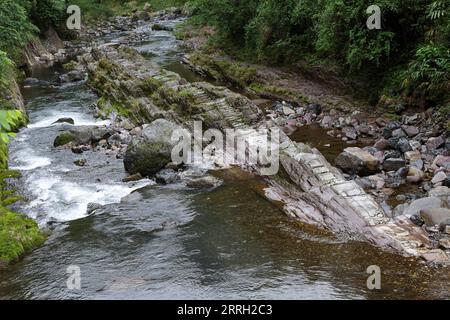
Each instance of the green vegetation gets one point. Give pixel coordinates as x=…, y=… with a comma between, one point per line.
x=63, y=139
x=409, y=57
x=18, y=234
x=100, y=9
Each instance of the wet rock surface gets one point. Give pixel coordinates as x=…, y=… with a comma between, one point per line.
x=401, y=154
x=150, y=151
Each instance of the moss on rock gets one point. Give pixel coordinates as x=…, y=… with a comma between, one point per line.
x=18, y=235
x=63, y=139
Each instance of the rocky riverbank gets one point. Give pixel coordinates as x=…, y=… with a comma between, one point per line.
x=135, y=94
x=405, y=150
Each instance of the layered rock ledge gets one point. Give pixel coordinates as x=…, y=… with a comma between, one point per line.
x=311, y=190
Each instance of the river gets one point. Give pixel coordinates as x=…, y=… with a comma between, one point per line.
x=154, y=241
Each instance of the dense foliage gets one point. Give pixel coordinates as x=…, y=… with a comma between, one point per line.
x=15, y=27
x=410, y=52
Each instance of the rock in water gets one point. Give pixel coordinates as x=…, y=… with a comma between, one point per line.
x=357, y=161
x=133, y=177
x=64, y=120
x=80, y=162
x=203, y=182
x=150, y=151
x=82, y=136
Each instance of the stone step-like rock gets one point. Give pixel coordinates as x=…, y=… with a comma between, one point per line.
x=315, y=192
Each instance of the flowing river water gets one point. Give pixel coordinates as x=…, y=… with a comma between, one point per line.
x=154, y=241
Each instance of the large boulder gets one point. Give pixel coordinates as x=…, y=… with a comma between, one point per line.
x=151, y=150
x=357, y=161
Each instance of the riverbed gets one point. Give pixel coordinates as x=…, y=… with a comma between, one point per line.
x=152, y=241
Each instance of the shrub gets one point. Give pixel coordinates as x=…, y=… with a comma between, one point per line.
x=16, y=30
x=428, y=74
x=48, y=12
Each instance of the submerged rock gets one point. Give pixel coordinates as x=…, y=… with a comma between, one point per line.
x=167, y=176
x=64, y=120
x=150, y=151
x=204, y=182
x=80, y=162
x=160, y=27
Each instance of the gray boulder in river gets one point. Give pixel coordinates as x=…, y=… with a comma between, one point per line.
x=151, y=150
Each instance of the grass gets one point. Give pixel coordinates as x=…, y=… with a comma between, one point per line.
x=18, y=233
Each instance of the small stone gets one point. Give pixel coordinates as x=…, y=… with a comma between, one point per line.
x=415, y=175
x=402, y=173
x=444, y=243
x=364, y=129
x=65, y=120
x=314, y=108
x=434, y=143
x=166, y=176
x=437, y=256
x=80, y=162
x=411, y=131
x=327, y=122
x=439, y=177
x=413, y=155
x=133, y=177
x=439, y=192
x=415, y=145
x=204, y=182
x=393, y=164
x=78, y=149
x=173, y=166
x=92, y=207
x=288, y=111
x=417, y=163
x=398, y=133
x=447, y=229
x=387, y=133
x=403, y=145
x=350, y=133
x=440, y=161
x=382, y=144
x=136, y=131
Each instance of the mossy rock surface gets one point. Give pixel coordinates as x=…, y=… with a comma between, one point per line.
x=63, y=139
x=18, y=235
x=151, y=151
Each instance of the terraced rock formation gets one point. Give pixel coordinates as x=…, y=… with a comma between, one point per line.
x=309, y=188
